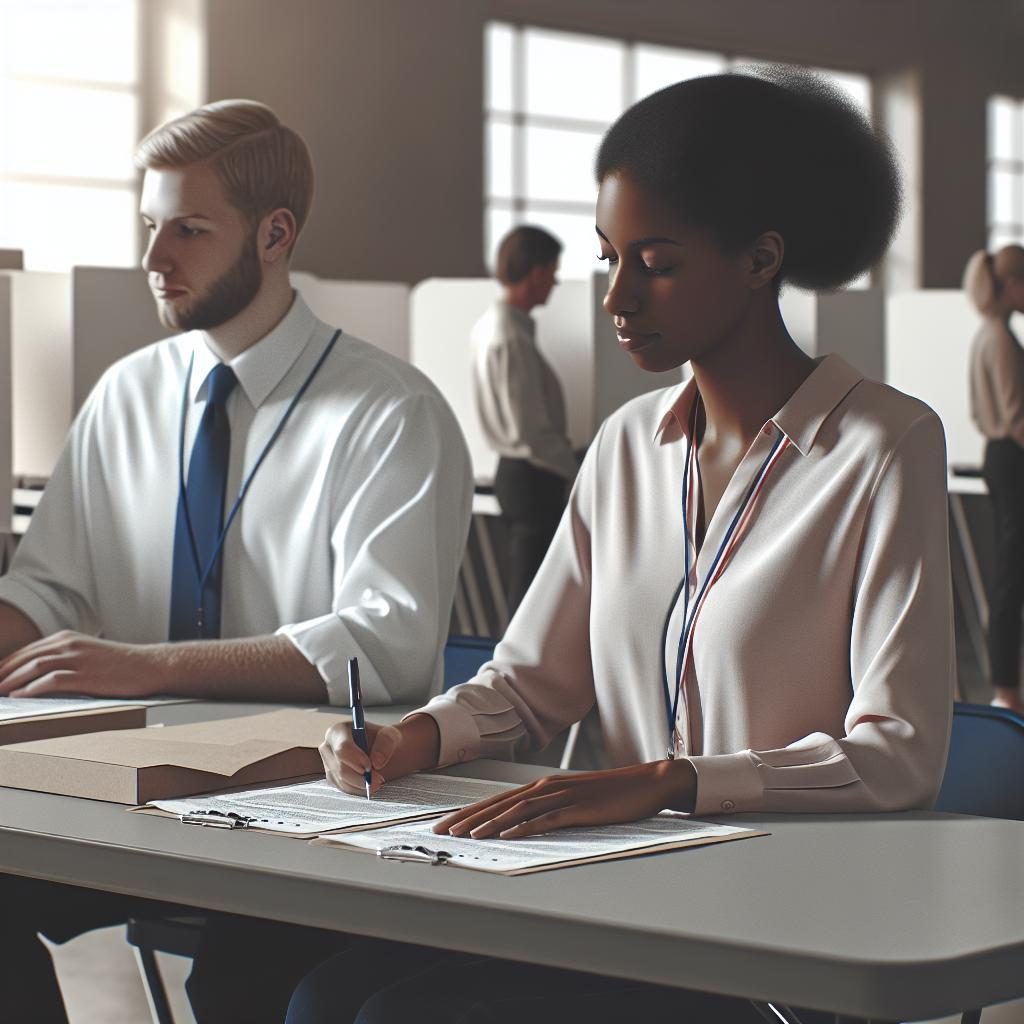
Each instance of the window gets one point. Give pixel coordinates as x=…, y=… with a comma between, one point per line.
x=549, y=98
x=69, y=111
x=1005, y=171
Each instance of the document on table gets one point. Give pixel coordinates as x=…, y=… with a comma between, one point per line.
x=564, y=848
x=311, y=808
x=33, y=707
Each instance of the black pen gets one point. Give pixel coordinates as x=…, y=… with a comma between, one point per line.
x=355, y=699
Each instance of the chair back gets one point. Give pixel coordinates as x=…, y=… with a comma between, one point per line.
x=463, y=656
x=985, y=769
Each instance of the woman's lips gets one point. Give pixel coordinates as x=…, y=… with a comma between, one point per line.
x=632, y=341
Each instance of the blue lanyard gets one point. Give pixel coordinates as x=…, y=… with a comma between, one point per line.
x=690, y=612
x=203, y=575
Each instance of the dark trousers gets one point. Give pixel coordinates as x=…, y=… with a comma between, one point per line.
x=1004, y=474
x=244, y=971
x=376, y=982
x=532, y=501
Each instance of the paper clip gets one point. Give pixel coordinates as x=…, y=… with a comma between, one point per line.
x=214, y=819
x=418, y=854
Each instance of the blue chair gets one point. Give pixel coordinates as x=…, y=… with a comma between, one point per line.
x=463, y=656
x=985, y=768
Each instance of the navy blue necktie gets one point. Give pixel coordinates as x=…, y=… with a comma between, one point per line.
x=194, y=617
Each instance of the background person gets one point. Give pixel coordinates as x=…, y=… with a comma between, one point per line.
x=800, y=660
x=347, y=542
x=995, y=285
x=520, y=404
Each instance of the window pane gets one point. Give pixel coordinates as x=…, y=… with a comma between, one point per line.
x=497, y=224
x=499, y=159
x=498, y=66
x=62, y=226
x=85, y=40
x=658, y=66
x=1003, y=129
x=857, y=87
x=560, y=164
x=1003, y=197
x=68, y=131
x=576, y=233
x=573, y=76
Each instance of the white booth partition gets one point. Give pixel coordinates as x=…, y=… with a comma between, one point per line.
x=376, y=311
x=113, y=314
x=40, y=368
x=6, y=393
x=928, y=347
x=848, y=323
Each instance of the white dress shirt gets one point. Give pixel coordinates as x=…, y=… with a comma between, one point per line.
x=822, y=675
x=997, y=383
x=348, y=542
x=518, y=396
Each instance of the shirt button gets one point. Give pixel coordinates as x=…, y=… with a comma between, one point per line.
x=727, y=805
x=767, y=428
x=462, y=754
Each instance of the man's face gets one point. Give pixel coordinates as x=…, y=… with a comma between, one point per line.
x=547, y=278
x=201, y=256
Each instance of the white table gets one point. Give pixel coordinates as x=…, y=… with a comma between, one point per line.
x=888, y=917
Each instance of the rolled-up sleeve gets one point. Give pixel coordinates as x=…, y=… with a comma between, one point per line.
x=399, y=531
x=902, y=665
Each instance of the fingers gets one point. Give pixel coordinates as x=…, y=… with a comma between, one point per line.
x=483, y=810
x=526, y=814
x=345, y=763
x=49, y=685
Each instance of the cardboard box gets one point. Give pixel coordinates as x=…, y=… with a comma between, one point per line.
x=134, y=766
x=71, y=723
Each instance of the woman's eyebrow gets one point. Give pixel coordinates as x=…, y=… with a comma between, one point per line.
x=639, y=243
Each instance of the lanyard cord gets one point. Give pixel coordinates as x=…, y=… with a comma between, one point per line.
x=202, y=575
x=690, y=614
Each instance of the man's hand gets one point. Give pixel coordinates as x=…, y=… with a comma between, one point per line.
x=583, y=798
x=73, y=663
x=395, y=750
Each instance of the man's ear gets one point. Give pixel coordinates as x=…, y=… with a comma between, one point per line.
x=277, y=234
x=766, y=255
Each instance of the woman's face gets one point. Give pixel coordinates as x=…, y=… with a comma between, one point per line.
x=673, y=293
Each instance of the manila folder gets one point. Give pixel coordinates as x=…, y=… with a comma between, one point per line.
x=134, y=766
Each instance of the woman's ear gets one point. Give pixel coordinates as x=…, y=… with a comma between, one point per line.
x=766, y=256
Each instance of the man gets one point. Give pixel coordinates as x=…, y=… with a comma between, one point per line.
x=239, y=509
x=520, y=404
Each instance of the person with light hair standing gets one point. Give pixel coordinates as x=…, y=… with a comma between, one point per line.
x=238, y=510
x=995, y=285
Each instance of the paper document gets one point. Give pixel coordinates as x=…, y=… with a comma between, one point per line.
x=540, y=853
x=33, y=707
x=310, y=808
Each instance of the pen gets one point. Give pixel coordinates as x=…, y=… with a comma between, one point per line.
x=355, y=699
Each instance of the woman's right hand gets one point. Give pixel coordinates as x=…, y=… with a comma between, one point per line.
x=395, y=750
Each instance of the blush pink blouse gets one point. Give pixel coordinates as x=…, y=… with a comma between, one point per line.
x=822, y=668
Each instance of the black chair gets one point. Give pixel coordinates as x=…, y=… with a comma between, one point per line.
x=463, y=656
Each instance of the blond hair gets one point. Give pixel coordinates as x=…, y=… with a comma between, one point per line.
x=262, y=164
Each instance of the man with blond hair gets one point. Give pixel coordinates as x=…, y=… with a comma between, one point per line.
x=239, y=509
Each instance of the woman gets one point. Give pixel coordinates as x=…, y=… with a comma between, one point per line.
x=752, y=578
x=995, y=285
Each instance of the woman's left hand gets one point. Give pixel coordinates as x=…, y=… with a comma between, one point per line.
x=583, y=798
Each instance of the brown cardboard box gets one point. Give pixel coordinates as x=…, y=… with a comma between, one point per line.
x=70, y=723
x=134, y=766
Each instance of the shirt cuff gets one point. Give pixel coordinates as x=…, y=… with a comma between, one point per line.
x=22, y=597
x=326, y=643
x=460, y=738
x=727, y=783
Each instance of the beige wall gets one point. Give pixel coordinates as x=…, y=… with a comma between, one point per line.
x=390, y=92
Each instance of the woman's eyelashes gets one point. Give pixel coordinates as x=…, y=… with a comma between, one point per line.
x=642, y=265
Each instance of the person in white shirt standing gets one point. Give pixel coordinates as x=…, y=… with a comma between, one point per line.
x=240, y=508
x=995, y=285
x=520, y=404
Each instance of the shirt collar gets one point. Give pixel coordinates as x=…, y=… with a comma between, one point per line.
x=517, y=316
x=800, y=419
x=262, y=366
